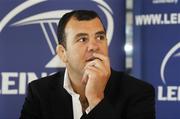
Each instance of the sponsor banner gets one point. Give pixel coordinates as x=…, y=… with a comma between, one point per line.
x=28, y=41
x=157, y=52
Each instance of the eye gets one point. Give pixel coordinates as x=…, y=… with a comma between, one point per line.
x=101, y=37
x=82, y=39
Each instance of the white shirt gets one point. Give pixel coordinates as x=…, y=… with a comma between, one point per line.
x=77, y=107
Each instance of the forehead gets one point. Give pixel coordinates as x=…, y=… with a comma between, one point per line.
x=93, y=25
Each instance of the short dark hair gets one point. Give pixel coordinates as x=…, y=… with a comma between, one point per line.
x=80, y=15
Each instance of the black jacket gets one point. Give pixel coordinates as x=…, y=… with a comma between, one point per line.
x=125, y=98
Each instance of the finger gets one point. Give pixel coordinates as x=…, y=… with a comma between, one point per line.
x=91, y=63
x=96, y=64
x=100, y=56
x=92, y=71
x=105, y=59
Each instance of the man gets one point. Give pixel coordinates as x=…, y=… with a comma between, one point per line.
x=89, y=88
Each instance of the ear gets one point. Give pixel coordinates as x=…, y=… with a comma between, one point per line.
x=61, y=52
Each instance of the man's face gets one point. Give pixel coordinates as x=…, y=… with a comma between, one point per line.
x=83, y=38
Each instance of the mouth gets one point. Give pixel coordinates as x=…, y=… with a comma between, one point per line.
x=91, y=59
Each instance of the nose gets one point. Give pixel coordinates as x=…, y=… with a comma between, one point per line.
x=93, y=45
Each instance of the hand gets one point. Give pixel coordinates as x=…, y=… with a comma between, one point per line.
x=96, y=76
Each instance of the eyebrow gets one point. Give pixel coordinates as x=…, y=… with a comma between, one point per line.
x=81, y=34
x=85, y=34
x=101, y=33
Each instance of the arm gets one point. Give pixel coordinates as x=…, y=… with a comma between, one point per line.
x=97, y=73
x=95, y=78
x=103, y=110
x=139, y=103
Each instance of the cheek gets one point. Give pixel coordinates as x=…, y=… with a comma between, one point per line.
x=76, y=53
x=77, y=50
x=104, y=49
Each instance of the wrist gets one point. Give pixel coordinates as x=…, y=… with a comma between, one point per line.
x=95, y=100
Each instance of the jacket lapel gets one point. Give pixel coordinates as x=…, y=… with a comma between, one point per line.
x=60, y=100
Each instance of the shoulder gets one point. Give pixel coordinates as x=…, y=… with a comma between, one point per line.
x=48, y=81
x=136, y=83
x=130, y=84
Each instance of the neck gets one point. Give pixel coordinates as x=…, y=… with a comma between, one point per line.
x=79, y=88
x=76, y=83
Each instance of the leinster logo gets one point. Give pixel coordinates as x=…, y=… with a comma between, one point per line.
x=169, y=73
x=45, y=23
x=171, y=60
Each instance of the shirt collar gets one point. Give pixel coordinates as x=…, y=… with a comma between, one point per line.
x=67, y=84
x=68, y=87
